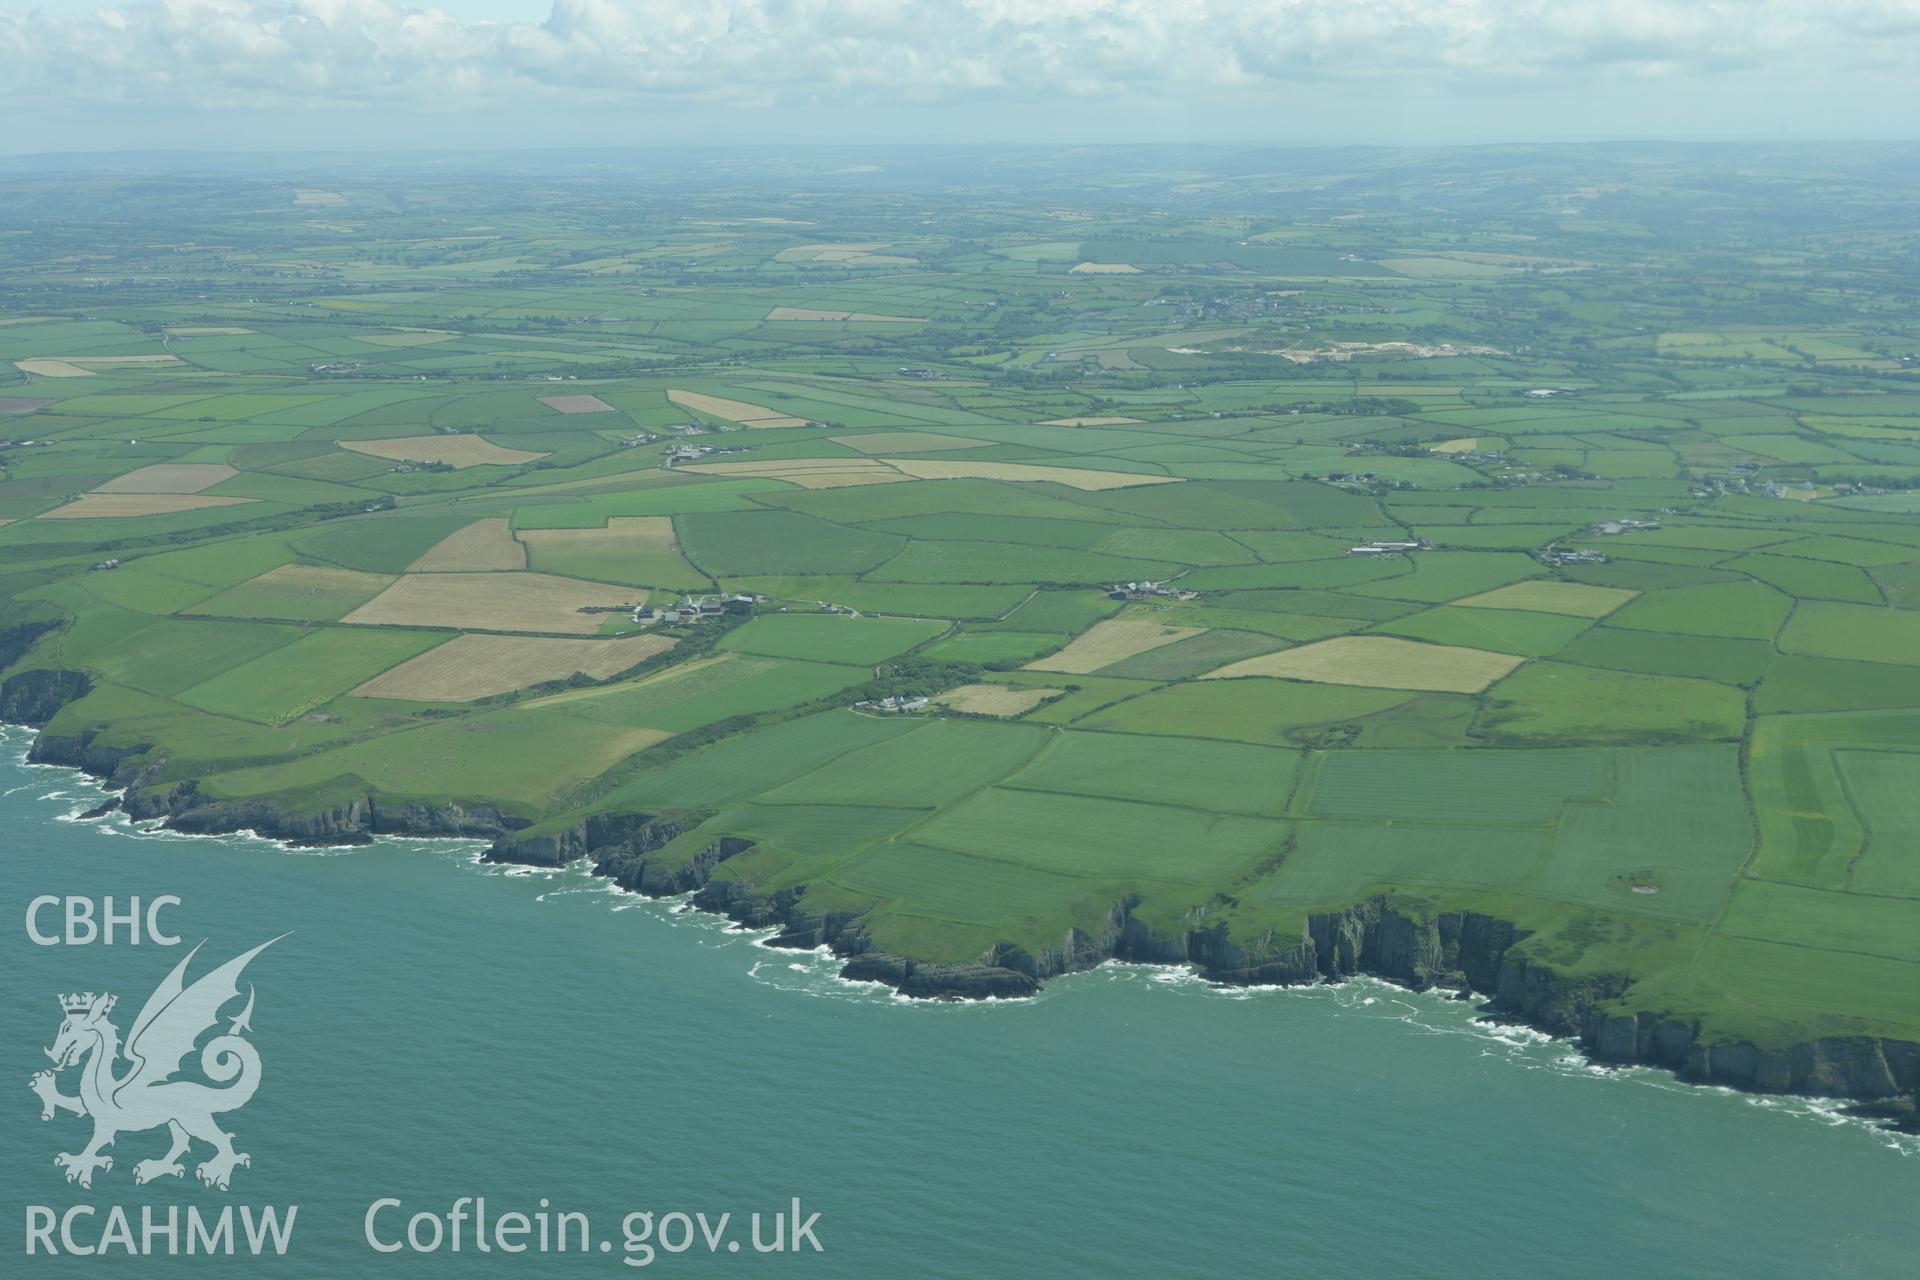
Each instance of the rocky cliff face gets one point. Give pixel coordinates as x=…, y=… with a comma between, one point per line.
x=35, y=697
x=183, y=807
x=1465, y=950
x=1462, y=950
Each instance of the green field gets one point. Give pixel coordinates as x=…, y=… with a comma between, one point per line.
x=1655, y=445
x=293, y=679
x=830, y=637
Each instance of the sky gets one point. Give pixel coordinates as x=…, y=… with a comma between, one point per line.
x=92, y=75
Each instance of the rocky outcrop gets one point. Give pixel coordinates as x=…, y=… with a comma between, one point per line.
x=21, y=636
x=355, y=821
x=1465, y=951
x=625, y=848
x=35, y=697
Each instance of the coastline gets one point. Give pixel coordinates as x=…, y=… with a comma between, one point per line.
x=1388, y=937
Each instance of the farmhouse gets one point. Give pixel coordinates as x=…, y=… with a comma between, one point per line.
x=1145, y=590
x=892, y=704
x=698, y=608
x=1388, y=548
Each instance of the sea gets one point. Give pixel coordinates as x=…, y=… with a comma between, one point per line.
x=631, y=1086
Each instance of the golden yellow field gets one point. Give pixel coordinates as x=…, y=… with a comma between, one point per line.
x=647, y=540
x=747, y=415
x=1107, y=269
x=1072, y=477
x=458, y=452
x=858, y=317
x=908, y=442
x=827, y=473
x=808, y=473
x=782, y=466
x=170, y=477
x=844, y=479
x=1468, y=445
x=576, y=404
x=484, y=544
x=113, y=506
x=1541, y=596
x=993, y=699
x=407, y=338
x=84, y=366
x=851, y=255
x=469, y=667
x=1381, y=662
x=494, y=602
x=1106, y=643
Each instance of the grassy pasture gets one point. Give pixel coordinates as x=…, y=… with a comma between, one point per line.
x=1250, y=710
x=296, y=678
x=828, y=637
x=689, y=695
x=1473, y=788
x=1740, y=610
x=948, y=885
x=1739, y=662
x=1334, y=863
x=1675, y=824
x=1005, y=562
x=521, y=760
x=812, y=829
x=1557, y=704
x=730, y=544
x=1859, y=632
x=1795, y=683
x=1103, y=840
x=172, y=654
x=987, y=647
x=1884, y=787
x=1501, y=630
x=1221, y=777
x=740, y=768
x=934, y=765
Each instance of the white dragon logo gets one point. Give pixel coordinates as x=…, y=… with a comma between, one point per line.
x=172, y=1020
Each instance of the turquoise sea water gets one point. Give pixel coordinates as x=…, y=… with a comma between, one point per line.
x=436, y=1029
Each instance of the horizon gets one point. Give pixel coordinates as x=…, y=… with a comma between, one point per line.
x=375, y=75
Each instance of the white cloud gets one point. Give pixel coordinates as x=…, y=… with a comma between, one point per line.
x=239, y=54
